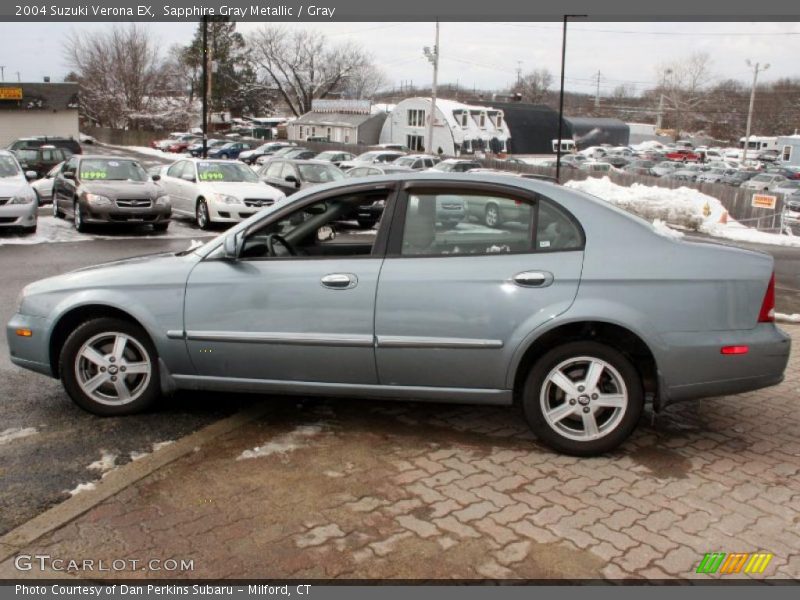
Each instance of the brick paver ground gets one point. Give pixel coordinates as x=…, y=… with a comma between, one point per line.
x=346, y=489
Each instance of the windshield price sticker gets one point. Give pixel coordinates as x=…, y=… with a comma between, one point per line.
x=94, y=175
x=212, y=176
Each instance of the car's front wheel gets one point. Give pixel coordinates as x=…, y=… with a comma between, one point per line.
x=110, y=367
x=77, y=214
x=202, y=216
x=583, y=398
x=57, y=213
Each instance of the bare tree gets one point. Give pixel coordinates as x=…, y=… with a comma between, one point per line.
x=364, y=82
x=121, y=75
x=683, y=85
x=534, y=86
x=303, y=65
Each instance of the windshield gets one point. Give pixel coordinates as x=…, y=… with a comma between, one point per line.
x=8, y=166
x=225, y=171
x=25, y=155
x=319, y=173
x=405, y=161
x=101, y=169
x=367, y=156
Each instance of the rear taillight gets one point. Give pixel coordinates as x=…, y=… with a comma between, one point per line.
x=767, y=314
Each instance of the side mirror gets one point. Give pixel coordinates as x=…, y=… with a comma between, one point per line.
x=232, y=246
x=292, y=179
x=189, y=178
x=156, y=177
x=30, y=175
x=68, y=175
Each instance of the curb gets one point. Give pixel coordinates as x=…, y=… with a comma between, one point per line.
x=117, y=480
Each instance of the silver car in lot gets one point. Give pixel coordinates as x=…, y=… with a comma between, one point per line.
x=575, y=315
x=18, y=203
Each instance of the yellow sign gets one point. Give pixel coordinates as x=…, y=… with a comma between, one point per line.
x=10, y=93
x=764, y=201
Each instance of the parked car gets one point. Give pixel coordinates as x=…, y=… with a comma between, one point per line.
x=790, y=215
x=575, y=315
x=292, y=153
x=787, y=172
x=229, y=150
x=665, y=167
x=290, y=176
x=682, y=155
x=109, y=190
x=417, y=162
x=617, y=161
x=18, y=206
x=44, y=186
x=788, y=187
x=40, y=160
x=373, y=157
x=764, y=182
x=596, y=167
x=738, y=177
x=196, y=149
x=70, y=145
x=250, y=156
x=456, y=165
x=334, y=156
x=682, y=175
x=182, y=144
x=639, y=167
x=393, y=146
x=714, y=175
x=768, y=155
x=166, y=142
x=216, y=191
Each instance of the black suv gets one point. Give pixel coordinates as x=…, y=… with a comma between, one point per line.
x=40, y=159
x=68, y=144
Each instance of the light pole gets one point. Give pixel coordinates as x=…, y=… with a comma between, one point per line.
x=561, y=94
x=667, y=72
x=205, y=86
x=433, y=58
x=756, y=68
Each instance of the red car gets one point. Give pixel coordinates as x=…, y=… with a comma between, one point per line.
x=683, y=156
x=181, y=145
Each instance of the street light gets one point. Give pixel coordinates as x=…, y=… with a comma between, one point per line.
x=756, y=68
x=433, y=57
x=561, y=94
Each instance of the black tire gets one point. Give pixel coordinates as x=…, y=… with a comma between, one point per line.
x=491, y=215
x=161, y=226
x=77, y=218
x=366, y=223
x=203, y=222
x=56, y=212
x=29, y=229
x=626, y=422
x=146, y=394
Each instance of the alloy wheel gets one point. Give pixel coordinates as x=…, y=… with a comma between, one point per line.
x=113, y=368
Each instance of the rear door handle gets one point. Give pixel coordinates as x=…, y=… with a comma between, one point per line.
x=339, y=281
x=533, y=279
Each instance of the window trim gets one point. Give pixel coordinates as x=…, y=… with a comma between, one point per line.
x=395, y=242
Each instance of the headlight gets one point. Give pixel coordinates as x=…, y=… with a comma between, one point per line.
x=97, y=200
x=163, y=200
x=22, y=199
x=228, y=199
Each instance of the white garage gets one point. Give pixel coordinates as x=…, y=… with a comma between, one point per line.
x=28, y=109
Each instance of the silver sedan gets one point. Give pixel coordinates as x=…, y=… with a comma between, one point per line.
x=18, y=206
x=576, y=311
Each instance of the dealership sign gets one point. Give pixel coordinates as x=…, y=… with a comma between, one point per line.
x=764, y=201
x=10, y=93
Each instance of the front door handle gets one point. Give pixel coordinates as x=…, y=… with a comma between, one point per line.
x=339, y=281
x=533, y=279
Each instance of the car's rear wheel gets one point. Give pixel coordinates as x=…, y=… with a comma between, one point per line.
x=491, y=216
x=202, y=216
x=110, y=367
x=583, y=398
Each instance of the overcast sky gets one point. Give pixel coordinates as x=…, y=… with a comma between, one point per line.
x=486, y=55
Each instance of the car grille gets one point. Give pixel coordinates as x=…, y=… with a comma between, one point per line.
x=4, y=201
x=134, y=203
x=451, y=206
x=132, y=218
x=8, y=219
x=257, y=202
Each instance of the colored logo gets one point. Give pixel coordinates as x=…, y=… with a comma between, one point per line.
x=737, y=562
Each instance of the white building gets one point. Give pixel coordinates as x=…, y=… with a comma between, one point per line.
x=344, y=121
x=28, y=109
x=457, y=128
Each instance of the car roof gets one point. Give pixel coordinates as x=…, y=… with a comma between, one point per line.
x=105, y=157
x=303, y=161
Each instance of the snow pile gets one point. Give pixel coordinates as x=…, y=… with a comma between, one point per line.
x=782, y=318
x=665, y=230
x=81, y=487
x=283, y=444
x=15, y=433
x=107, y=462
x=171, y=156
x=682, y=207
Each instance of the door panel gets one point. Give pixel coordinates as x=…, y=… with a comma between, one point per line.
x=274, y=319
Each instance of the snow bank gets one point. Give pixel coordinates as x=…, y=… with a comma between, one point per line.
x=15, y=433
x=285, y=443
x=81, y=487
x=171, y=156
x=682, y=207
x=782, y=318
x=106, y=463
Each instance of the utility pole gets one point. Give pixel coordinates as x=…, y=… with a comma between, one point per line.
x=756, y=68
x=2, y=72
x=660, y=115
x=19, y=77
x=205, y=86
x=561, y=94
x=433, y=58
x=519, y=72
x=597, y=93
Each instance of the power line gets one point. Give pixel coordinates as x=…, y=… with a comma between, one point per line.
x=667, y=33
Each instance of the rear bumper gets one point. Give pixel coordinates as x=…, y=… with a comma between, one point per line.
x=694, y=367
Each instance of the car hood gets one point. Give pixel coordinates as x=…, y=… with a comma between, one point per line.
x=245, y=190
x=13, y=186
x=122, y=189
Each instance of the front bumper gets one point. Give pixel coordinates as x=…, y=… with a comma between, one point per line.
x=32, y=353
x=694, y=366
x=125, y=216
x=18, y=215
x=233, y=213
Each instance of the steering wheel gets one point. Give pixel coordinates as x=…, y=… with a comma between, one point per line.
x=271, y=239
